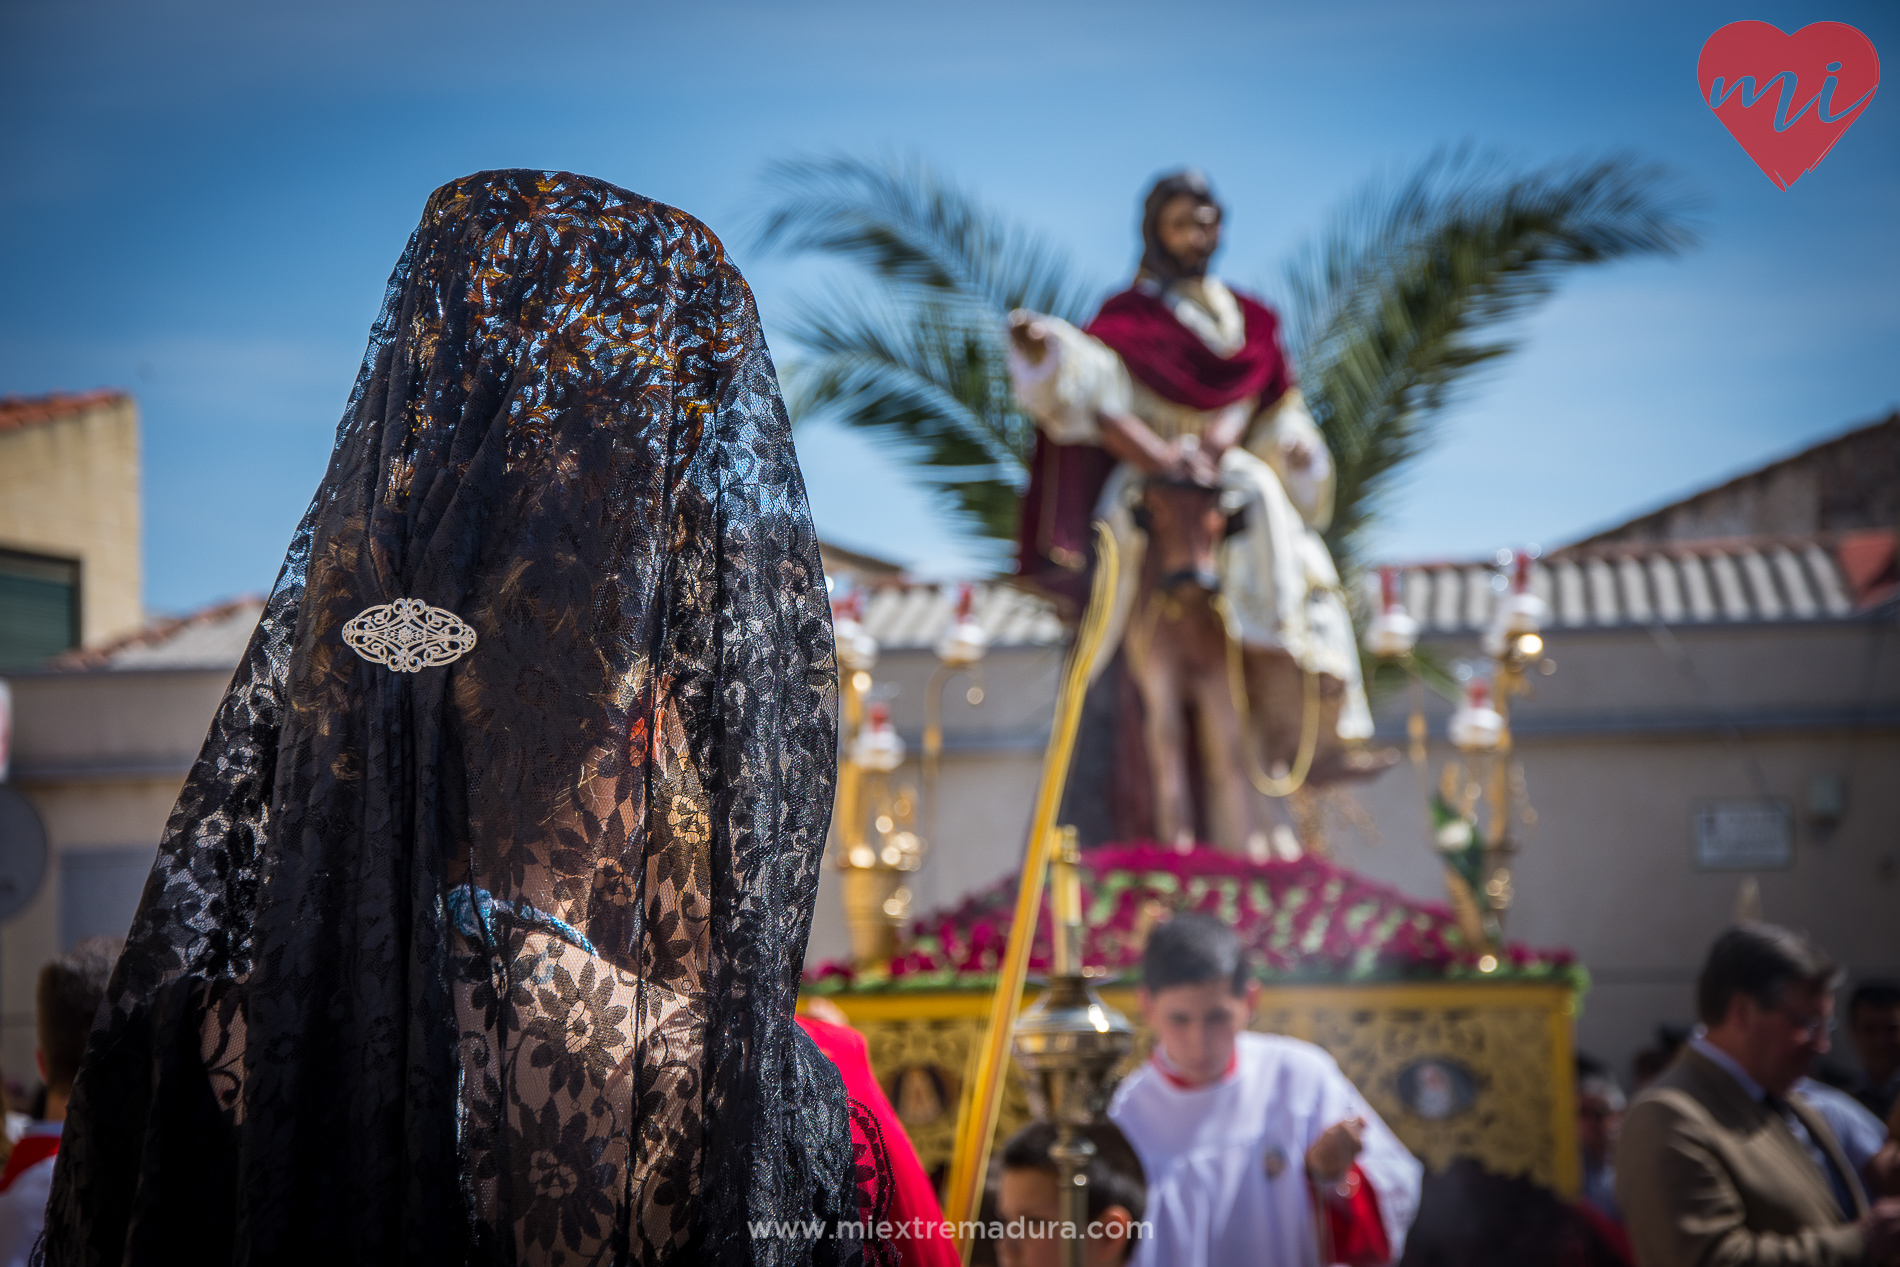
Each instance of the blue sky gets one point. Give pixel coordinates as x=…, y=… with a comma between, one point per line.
x=201, y=203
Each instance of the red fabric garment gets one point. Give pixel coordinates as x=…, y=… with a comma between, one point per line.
x=1176, y=1080
x=1354, y=1231
x=1172, y=362
x=913, y=1206
x=1054, y=545
x=27, y=1153
x=1608, y=1230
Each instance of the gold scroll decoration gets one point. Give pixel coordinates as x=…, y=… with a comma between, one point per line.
x=1477, y=1070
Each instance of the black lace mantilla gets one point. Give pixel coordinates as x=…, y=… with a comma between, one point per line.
x=495, y=961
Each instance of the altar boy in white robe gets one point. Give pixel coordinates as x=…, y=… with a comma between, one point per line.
x=1257, y=1148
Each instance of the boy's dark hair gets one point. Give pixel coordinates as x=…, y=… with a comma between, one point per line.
x=1873, y=994
x=67, y=999
x=1191, y=949
x=1115, y=1174
x=1760, y=961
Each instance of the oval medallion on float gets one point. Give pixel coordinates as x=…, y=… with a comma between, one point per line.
x=1436, y=1088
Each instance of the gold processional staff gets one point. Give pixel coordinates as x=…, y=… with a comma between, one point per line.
x=978, y=1124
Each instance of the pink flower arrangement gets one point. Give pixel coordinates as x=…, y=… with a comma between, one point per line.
x=1307, y=920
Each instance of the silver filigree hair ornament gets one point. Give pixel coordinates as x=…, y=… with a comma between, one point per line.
x=408, y=635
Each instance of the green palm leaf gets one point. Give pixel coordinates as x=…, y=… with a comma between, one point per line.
x=917, y=233
x=917, y=357
x=928, y=381
x=1417, y=284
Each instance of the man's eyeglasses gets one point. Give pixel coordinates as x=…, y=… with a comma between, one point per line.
x=1810, y=1027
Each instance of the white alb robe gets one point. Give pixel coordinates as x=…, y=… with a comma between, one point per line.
x=1226, y=1163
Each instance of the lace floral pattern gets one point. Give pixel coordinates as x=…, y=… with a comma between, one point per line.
x=494, y=961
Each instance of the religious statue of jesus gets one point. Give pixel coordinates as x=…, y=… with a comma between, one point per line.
x=1173, y=415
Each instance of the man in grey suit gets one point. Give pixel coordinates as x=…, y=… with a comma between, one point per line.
x=1718, y=1163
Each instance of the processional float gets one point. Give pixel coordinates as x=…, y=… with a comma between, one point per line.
x=1071, y=1043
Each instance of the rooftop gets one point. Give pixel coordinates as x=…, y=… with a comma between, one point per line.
x=840, y=559
x=1737, y=580
x=905, y=615
x=212, y=637
x=1817, y=577
x=1846, y=483
x=27, y=411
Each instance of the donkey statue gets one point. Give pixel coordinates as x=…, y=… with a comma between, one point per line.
x=1261, y=725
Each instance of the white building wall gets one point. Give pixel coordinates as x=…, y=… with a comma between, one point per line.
x=101, y=756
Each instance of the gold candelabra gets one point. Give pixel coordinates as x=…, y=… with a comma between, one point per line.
x=879, y=845
x=960, y=650
x=1480, y=810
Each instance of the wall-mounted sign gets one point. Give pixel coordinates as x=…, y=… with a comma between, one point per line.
x=1743, y=835
x=6, y=729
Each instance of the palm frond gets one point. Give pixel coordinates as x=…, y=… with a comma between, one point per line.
x=1416, y=285
x=913, y=230
x=916, y=355
x=928, y=381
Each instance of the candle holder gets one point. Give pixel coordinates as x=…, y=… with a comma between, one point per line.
x=960, y=650
x=1069, y=1044
x=878, y=843
x=1480, y=811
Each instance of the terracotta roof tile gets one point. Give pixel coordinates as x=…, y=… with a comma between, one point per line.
x=27, y=411
x=211, y=637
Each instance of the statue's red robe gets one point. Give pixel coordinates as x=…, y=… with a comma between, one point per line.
x=1053, y=542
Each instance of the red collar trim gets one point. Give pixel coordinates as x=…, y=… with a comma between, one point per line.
x=27, y=1153
x=1179, y=1083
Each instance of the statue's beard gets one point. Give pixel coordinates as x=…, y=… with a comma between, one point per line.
x=1166, y=266
x=1191, y=269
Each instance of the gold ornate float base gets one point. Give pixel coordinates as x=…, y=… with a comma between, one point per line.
x=1456, y=1069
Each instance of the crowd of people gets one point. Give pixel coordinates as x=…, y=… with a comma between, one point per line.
x=1744, y=1143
